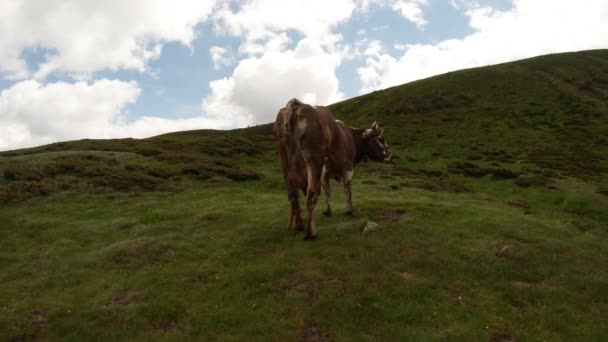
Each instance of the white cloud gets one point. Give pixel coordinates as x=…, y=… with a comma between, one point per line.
x=465, y=4
x=259, y=86
x=33, y=113
x=261, y=21
x=220, y=57
x=260, y=45
x=531, y=28
x=87, y=36
x=411, y=10
x=363, y=6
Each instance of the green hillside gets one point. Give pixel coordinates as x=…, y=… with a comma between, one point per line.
x=493, y=224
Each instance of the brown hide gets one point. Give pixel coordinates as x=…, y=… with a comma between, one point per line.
x=285, y=149
x=313, y=147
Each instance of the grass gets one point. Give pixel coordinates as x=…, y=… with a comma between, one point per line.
x=492, y=224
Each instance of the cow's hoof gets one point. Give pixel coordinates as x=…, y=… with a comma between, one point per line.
x=350, y=213
x=327, y=213
x=310, y=237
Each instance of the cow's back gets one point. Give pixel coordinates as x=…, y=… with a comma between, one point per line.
x=313, y=129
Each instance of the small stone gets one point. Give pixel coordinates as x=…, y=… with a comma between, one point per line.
x=503, y=250
x=370, y=226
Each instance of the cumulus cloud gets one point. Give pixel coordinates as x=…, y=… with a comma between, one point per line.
x=82, y=37
x=531, y=28
x=411, y=10
x=259, y=86
x=220, y=57
x=262, y=21
x=33, y=113
x=272, y=73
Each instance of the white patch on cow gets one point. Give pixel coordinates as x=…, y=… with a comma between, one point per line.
x=323, y=172
x=348, y=175
x=302, y=124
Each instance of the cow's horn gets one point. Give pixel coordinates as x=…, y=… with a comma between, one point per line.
x=374, y=125
x=381, y=132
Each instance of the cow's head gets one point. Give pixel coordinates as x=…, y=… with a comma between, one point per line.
x=376, y=146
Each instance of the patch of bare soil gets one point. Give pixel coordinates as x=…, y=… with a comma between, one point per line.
x=391, y=215
x=406, y=275
x=518, y=283
x=137, y=253
x=337, y=282
x=42, y=260
x=459, y=294
x=38, y=318
x=210, y=217
x=198, y=279
x=122, y=298
x=312, y=332
x=501, y=336
x=455, y=292
x=522, y=204
x=165, y=327
x=518, y=305
x=296, y=284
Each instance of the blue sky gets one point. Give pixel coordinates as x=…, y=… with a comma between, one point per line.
x=73, y=69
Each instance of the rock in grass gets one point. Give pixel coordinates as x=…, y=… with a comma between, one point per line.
x=503, y=250
x=370, y=226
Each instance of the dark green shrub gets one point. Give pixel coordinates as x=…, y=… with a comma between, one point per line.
x=500, y=174
x=17, y=191
x=532, y=180
x=21, y=172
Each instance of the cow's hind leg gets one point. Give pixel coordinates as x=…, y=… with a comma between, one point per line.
x=327, y=191
x=295, y=217
x=312, y=195
x=348, y=175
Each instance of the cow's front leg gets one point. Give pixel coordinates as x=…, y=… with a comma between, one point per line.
x=312, y=195
x=348, y=175
x=327, y=191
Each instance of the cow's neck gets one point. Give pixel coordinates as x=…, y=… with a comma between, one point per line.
x=357, y=134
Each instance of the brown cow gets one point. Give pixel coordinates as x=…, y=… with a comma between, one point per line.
x=313, y=148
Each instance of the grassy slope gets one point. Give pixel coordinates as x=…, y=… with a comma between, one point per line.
x=199, y=247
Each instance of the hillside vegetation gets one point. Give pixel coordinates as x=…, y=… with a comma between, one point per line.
x=493, y=224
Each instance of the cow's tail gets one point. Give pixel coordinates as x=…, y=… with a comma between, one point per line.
x=287, y=125
x=289, y=118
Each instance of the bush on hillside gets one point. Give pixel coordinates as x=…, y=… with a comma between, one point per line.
x=17, y=191
x=21, y=172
